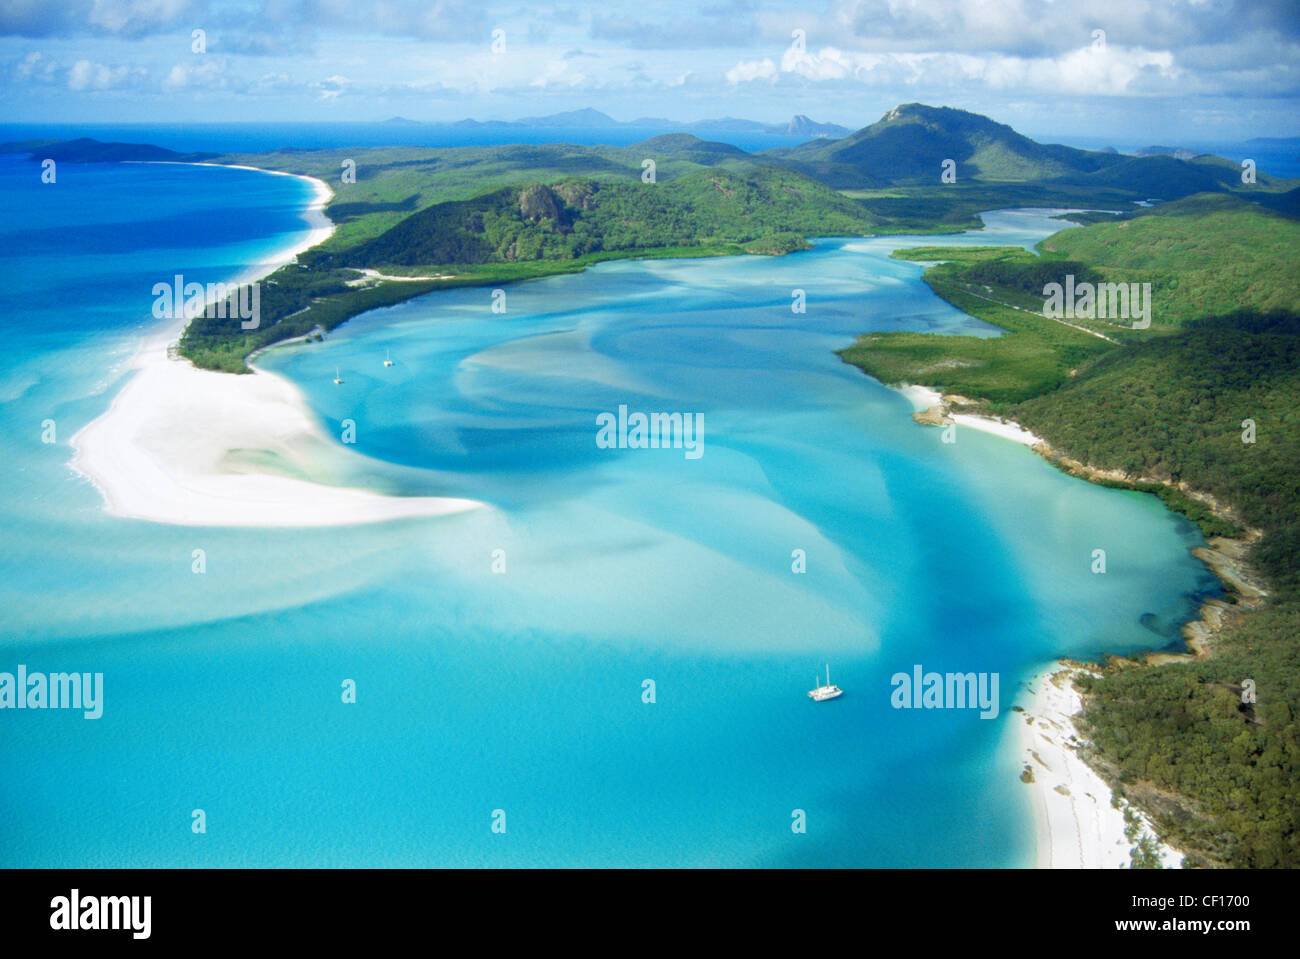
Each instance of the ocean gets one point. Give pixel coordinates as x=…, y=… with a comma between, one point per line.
x=503, y=658
x=262, y=137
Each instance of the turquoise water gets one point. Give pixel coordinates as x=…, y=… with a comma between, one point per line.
x=522, y=691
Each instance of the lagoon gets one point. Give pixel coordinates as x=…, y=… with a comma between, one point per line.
x=499, y=656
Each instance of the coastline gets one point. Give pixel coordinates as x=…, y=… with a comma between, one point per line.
x=1075, y=824
x=933, y=408
x=174, y=445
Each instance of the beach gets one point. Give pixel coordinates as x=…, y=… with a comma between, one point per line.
x=933, y=409
x=1075, y=825
x=195, y=447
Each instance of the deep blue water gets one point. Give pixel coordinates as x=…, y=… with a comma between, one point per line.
x=259, y=137
x=522, y=691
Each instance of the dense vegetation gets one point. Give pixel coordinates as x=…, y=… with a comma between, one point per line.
x=910, y=143
x=576, y=217
x=294, y=302
x=1173, y=408
x=1037, y=356
x=392, y=183
x=1205, y=255
x=527, y=230
x=1220, y=778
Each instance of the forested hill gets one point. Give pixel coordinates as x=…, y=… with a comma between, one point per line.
x=1206, y=255
x=1221, y=778
x=527, y=229
x=909, y=144
x=769, y=210
x=1207, y=397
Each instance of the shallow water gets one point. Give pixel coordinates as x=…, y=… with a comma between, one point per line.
x=522, y=691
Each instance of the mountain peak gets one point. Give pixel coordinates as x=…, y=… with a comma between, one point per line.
x=928, y=114
x=911, y=141
x=804, y=126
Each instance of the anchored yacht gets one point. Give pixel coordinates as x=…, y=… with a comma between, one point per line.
x=823, y=693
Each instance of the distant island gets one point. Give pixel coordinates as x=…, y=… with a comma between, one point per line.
x=596, y=120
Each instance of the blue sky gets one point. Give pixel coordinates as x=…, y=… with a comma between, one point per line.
x=1157, y=70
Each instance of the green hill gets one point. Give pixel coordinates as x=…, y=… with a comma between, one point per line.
x=1222, y=780
x=534, y=229
x=1159, y=177
x=1206, y=255
x=684, y=146
x=1165, y=405
x=394, y=182
x=910, y=142
x=577, y=217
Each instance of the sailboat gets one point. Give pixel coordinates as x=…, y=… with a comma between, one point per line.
x=338, y=377
x=823, y=693
x=388, y=359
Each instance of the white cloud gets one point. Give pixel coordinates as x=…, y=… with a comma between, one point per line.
x=747, y=70
x=135, y=17
x=558, y=74
x=331, y=88
x=37, y=67
x=88, y=75
x=1107, y=71
x=205, y=72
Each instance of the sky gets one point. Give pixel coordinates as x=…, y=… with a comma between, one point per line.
x=1131, y=70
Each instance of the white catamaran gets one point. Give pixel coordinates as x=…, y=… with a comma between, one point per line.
x=823, y=693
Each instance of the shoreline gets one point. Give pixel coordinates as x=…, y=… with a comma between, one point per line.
x=180, y=445
x=932, y=408
x=1072, y=829
x=1076, y=824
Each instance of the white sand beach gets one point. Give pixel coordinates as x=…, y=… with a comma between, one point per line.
x=176, y=444
x=1076, y=827
x=936, y=405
